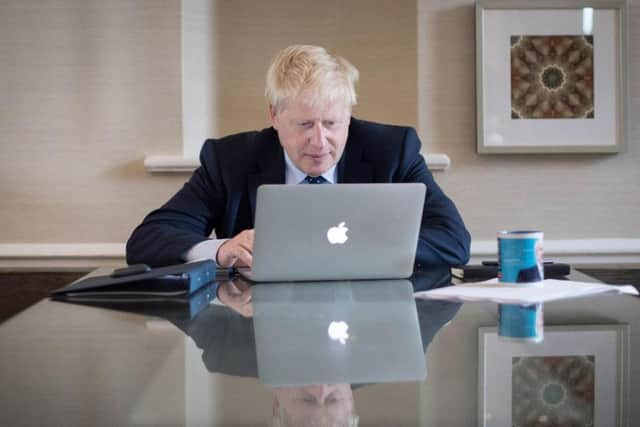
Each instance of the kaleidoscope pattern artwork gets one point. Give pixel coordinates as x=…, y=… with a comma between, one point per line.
x=553, y=391
x=552, y=77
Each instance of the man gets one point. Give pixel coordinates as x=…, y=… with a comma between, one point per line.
x=313, y=138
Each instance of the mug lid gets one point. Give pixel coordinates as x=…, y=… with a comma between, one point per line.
x=520, y=234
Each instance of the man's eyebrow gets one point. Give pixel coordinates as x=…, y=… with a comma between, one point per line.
x=307, y=398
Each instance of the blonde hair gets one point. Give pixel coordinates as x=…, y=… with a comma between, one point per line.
x=313, y=71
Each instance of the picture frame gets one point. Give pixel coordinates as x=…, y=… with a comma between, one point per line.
x=551, y=76
x=577, y=371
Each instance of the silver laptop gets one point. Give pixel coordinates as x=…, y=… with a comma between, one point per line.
x=337, y=332
x=336, y=232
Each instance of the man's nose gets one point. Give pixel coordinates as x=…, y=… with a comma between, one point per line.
x=318, y=136
x=320, y=392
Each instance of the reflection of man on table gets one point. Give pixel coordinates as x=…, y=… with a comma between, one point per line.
x=227, y=339
x=226, y=336
x=313, y=138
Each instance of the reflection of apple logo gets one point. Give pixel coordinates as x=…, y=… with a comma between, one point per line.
x=337, y=234
x=338, y=331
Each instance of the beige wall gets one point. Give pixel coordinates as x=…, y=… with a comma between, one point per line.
x=567, y=196
x=377, y=36
x=90, y=87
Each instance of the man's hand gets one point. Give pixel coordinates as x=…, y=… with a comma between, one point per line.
x=237, y=252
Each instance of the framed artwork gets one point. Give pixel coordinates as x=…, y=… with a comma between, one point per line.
x=551, y=76
x=575, y=376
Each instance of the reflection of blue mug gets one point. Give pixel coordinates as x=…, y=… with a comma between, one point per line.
x=520, y=257
x=521, y=322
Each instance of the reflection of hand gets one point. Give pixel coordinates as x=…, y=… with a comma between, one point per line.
x=237, y=252
x=236, y=295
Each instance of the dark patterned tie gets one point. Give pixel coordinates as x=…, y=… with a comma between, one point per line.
x=315, y=180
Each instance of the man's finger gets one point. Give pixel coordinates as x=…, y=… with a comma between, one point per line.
x=244, y=257
x=242, y=285
x=246, y=246
x=233, y=290
x=245, y=297
x=246, y=237
x=231, y=260
x=237, y=251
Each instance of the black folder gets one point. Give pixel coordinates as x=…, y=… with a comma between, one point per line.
x=170, y=307
x=477, y=273
x=140, y=280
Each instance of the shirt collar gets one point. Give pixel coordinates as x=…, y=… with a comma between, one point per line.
x=293, y=175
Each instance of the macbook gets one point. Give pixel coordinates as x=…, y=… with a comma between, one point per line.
x=336, y=232
x=337, y=332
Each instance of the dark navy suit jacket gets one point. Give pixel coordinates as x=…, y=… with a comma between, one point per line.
x=221, y=193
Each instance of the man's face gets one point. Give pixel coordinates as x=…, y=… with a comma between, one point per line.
x=313, y=134
x=317, y=402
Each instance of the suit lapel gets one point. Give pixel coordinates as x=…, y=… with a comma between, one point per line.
x=269, y=167
x=351, y=167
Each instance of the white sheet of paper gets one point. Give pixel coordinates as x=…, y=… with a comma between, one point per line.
x=550, y=290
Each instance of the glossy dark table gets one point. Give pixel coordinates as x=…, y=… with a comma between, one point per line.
x=65, y=364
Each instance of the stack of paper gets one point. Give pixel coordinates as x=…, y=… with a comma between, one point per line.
x=549, y=290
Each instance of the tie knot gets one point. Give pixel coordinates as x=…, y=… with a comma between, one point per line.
x=315, y=180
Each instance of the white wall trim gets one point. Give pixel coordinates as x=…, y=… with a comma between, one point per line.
x=199, y=119
x=83, y=256
x=199, y=74
x=440, y=161
x=60, y=256
x=437, y=161
x=179, y=164
x=170, y=164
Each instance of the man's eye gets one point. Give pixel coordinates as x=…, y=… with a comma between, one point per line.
x=329, y=123
x=306, y=125
x=331, y=400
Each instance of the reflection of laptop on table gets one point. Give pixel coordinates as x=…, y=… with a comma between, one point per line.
x=336, y=232
x=337, y=332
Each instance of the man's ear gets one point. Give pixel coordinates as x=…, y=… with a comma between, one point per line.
x=273, y=116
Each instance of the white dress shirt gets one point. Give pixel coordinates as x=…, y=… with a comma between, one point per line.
x=209, y=248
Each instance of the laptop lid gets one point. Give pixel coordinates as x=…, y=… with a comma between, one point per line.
x=337, y=332
x=336, y=232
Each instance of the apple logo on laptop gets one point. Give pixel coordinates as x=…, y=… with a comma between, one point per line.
x=338, y=331
x=337, y=235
